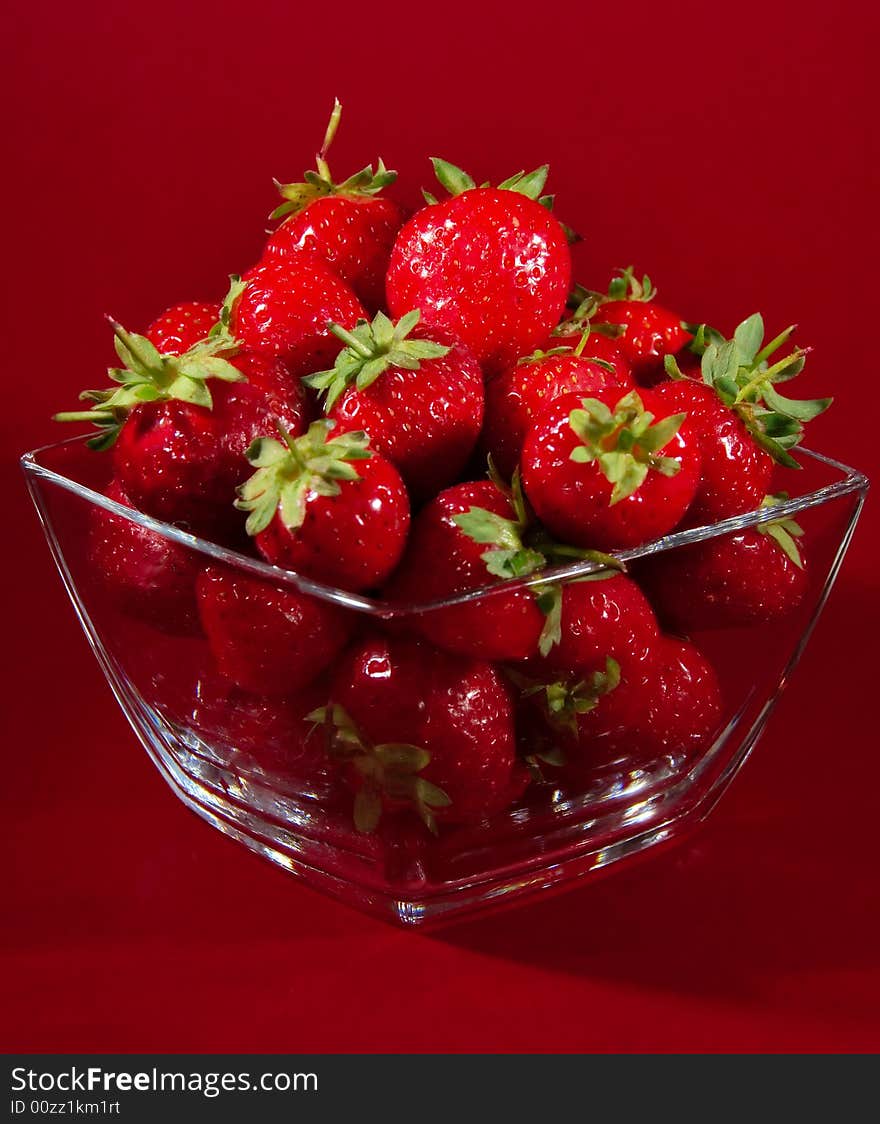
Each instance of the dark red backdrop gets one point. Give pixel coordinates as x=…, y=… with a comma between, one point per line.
x=730, y=156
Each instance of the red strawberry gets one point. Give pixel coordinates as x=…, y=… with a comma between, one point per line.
x=271, y=640
x=490, y=265
x=610, y=471
x=149, y=576
x=742, y=422
x=348, y=225
x=443, y=560
x=313, y=511
x=517, y=395
x=417, y=393
x=179, y=446
x=749, y=577
x=648, y=332
x=601, y=349
x=600, y=618
x=414, y=728
x=735, y=471
x=285, y=307
x=182, y=326
x=667, y=703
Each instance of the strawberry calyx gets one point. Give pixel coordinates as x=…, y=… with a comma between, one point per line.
x=370, y=349
x=289, y=469
x=389, y=770
x=627, y=287
x=531, y=184
x=565, y=700
x=456, y=182
x=318, y=183
x=148, y=376
x=784, y=532
x=521, y=546
x=744, y=374
x=624, y=443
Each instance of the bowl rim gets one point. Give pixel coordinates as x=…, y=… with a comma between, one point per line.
x=851, y=481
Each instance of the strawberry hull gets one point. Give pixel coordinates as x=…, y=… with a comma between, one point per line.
x=416, y=771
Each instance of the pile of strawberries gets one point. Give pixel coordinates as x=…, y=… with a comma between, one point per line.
x=336, y=415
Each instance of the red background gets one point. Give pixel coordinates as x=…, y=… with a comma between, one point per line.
x=730, y=156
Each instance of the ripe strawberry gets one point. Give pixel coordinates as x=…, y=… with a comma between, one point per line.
x=148, y=576
x=417, y=393
x=414, y=728
x=285, y=307
x=271, y=640
x=179, y=446
x=606, y=616
x=594, y=473
x=473, y=536
x=490, y=265
x=182, y=326
x=667, y=703
x=349, y=225
x=749, y=577
x=517, y=395
x=742, y=422
x=648, y=332
x=312, y=511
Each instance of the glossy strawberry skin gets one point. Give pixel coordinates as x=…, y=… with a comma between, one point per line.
x=736, y=472
x=734, y=580
x=574, y=500
x=352, y=234
x=182, y=463
x=516, y=396
x=427, y=421
x=181, y=326
x=399, y=690
x=286, y=306
x=668, y=703
x=649, y=333
x=491, y=266
x=609, y=617
x=148, y=576
x=441, y=561
x=352, y=540
x=267, y=639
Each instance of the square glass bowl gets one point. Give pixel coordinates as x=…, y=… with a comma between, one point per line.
x=247, y=763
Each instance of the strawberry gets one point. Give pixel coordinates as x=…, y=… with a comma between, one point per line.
x=610, y=471
x=182, y=326
x=148, y=576
x=417, y=393
x=517, y=395
x=648, y=332
x=605, y=616
x=472, y=536
x=742, y=422
x=491, y=265
x=349, y=225
x=270, y=640
x=667, y=703
x=312, y=511
x=180, y=425
x=749, y=577
x=414, y=728
x=285, y=307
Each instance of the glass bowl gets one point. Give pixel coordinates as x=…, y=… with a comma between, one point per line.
x=253, y=766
